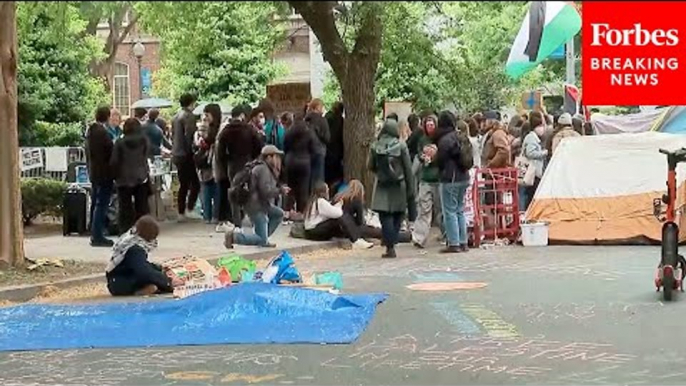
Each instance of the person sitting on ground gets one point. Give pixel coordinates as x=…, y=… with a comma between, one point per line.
x=129, y=272
x=264, y=189
x=564, y=130
x=324, y=221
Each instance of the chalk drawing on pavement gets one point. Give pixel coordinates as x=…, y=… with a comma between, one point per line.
x=443, y=286
x=452, y=314
x=490, y=321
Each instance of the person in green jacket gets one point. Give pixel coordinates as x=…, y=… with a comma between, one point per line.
x=394, y=187
x=429, y=198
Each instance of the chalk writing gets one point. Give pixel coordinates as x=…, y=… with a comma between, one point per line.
x=235, y=377
x=511, y=356
x=494, y=325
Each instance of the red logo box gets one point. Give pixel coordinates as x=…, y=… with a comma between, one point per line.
x=634, y=53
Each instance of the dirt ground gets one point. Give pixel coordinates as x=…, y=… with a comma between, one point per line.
x=21, y=276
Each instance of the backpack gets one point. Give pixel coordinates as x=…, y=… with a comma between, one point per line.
x=464, y=153
x=390, y=168
x=241, y=184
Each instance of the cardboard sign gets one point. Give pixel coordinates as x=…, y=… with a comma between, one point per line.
x=289, y=97
x=532, y=101
x=403, y=109
x=469, y=199
x=31, y=158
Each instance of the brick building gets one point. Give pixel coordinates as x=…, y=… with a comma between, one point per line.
x=299, y=53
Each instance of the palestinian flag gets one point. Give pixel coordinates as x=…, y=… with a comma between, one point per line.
x=547, y=26
x=571, y=99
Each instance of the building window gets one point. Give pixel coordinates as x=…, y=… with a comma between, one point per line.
x=121, y=93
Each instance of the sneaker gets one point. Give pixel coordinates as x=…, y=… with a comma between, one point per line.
x=451, y=249
x=464, y=248
x=182, y=218
x=228, y=240
x=224, y=227
x=362, y=244
x=104, y=243
x=193, y=216
x=417, y=245
x=268, y=245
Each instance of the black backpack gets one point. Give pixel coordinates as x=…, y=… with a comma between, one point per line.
x=464, y=152
x=390, y=168
x=241, y=184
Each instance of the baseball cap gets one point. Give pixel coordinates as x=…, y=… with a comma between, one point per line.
x=271, y=150
x=565, y=119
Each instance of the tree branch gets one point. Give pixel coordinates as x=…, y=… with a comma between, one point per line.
x=320, y=17
x=127, y=30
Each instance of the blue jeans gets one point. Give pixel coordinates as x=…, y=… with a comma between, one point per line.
x=265, y=225
x=210, y=198
x=100, y=200
x=452, y=200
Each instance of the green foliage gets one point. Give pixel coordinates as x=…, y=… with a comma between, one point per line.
x=54, y=83
x=58, y=134
x=219, y=50
x=41, y=196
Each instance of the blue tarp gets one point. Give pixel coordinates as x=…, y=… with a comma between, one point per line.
x=245, y=313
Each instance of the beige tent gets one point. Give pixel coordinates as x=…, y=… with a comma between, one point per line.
x=600, y=189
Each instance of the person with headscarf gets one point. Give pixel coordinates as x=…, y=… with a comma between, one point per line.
x=129, y=271
x=394, y=186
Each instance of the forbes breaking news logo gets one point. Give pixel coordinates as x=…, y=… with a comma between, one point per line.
x=633, y=53
x=625, y=71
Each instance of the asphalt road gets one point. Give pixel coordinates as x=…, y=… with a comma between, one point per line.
x=556, y=315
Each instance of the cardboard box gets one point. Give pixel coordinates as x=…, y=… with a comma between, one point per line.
x=289, y=97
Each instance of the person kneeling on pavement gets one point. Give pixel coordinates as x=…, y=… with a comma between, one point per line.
x=129, y=272
x=324, y=221
x=264, y=189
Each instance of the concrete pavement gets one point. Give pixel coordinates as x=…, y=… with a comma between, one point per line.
x=555, y=315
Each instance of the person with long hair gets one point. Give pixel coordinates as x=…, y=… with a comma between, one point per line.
x=205, y=140
x=352, y=200
x=324, y=221
x=533, y=150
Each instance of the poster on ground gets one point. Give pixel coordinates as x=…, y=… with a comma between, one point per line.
x=289, y=97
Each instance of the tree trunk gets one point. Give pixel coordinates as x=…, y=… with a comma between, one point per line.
x=11, y=231
x=359, y=131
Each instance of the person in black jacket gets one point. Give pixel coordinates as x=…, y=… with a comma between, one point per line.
x=129, y=272
x=454, y=181
x=98, y=153
x=131, y=173
x=316, y=121
x=416, y=134
x=237, y=144
x=336, y=150
x=183, y=128
x=300, y=147
x=153, y=132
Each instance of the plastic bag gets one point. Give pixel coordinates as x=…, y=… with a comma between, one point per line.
x=236, y=265
x=282, y=268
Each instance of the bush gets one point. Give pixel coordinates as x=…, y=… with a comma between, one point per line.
x=41, y=196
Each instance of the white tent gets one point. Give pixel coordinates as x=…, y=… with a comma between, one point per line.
x=600, y=189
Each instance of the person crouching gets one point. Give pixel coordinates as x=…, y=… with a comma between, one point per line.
x=129, y=272
x=264, y=189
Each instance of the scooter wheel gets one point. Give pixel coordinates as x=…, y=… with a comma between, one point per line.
x=668, y=287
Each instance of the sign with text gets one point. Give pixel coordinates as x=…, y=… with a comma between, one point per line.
x=634, y=53
x=289, y=97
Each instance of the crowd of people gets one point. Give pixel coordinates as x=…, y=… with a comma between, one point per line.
x=272, y=169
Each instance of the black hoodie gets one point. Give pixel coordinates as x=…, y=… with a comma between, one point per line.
x=237, y=144
x=448, y=152
x=130, y=160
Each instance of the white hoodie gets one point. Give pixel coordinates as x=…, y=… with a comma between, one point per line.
x=321, y=211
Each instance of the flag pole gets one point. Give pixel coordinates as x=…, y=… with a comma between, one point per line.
x=570, y=63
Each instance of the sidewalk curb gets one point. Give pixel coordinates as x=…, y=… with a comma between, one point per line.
x=24, y=293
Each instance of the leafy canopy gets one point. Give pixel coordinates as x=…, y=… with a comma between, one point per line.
x=219, y=50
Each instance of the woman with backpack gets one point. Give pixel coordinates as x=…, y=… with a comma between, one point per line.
x=454, y=159
x=205, y=160
x=394, y=187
